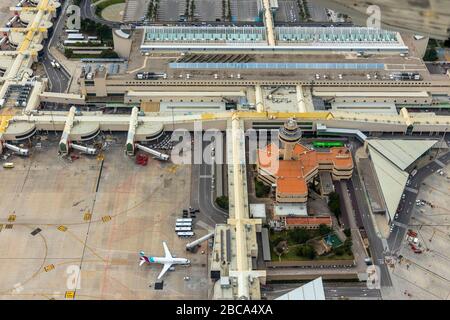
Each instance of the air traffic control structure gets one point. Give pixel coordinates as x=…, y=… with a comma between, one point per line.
x=236, y=240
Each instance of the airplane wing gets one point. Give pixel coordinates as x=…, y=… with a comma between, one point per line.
x=166, y=251
x=164, y=270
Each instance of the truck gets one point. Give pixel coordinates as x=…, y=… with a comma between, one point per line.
x=150, y=75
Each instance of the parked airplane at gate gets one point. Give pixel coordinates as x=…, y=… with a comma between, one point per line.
x=167, y=261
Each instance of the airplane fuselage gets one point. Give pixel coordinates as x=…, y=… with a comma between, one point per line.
x=162, y=260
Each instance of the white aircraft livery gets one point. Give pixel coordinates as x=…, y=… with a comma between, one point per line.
x=167, y=260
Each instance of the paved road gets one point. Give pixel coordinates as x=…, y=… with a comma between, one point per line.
x=317, y=12
x=407, y=204
x=202, y=194
x=362, y=210
x=333, y=290
x=287, y=12
x=58, y=78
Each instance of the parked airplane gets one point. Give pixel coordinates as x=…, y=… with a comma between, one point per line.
x=167, y=260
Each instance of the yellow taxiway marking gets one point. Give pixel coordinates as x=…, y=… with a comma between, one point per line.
x=70, y=294
x=12, y=218
x=87, y=216
x=172, y=169
x=106, y=218
x=62, y=228
x=48, y=268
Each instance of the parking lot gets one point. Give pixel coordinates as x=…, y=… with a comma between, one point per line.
x=244, y=10
x=426, y=275
x=61, y=216
x=288, y=11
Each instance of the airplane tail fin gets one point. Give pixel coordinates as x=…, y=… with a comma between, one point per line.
x=143, y=258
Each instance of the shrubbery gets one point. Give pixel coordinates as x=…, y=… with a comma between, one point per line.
x=261, y=190
x=222, y=202
x=334, y=204
x=306, y=250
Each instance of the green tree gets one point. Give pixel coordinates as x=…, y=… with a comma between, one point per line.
x=306, y=250
x=430, y=54
x=334, y=204
x=339, y=251
x=347, y=232
x=68, y=53
x=347, y=245
x=324, y=229
x=222, y=202
x=299, y=236
x=261, y=190
x=109, y=53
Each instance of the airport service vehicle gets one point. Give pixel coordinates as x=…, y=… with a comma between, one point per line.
x=183, y=224
x=150, y=76
x=53, y=63
x=327, y=144
x=183, y=229
x=75, y=36
x=411, y=233
x=185, y=234
x=167, y=261
x=8, y=165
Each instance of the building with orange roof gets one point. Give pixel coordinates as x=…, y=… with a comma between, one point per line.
x=307, y=222
x=291, y=172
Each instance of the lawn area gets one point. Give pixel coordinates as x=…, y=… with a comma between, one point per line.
x=103, y=4
x=292, y=256
x=299, y=237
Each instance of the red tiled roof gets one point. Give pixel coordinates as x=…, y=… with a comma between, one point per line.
x=308, y=221
x=291, y=174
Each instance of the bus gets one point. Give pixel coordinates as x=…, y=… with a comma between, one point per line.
x=75, y=36
x=72, y=31
x=184, y=220
x=327, y=144
x=186, y=234
x=183, y=224
x=183, y=229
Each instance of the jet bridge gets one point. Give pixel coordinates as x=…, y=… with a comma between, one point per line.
x=65, y=144
x=141, y=131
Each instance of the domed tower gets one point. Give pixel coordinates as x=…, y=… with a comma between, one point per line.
x=289, y=135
